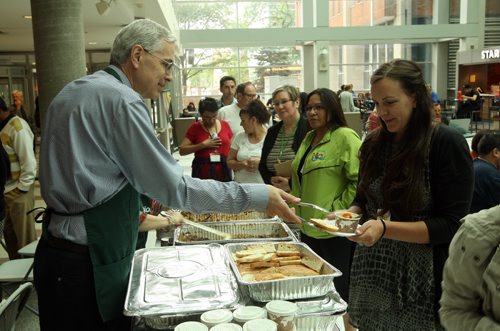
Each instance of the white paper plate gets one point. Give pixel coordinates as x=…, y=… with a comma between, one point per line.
x=336, y=233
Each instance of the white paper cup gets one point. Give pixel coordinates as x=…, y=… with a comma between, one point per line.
x=283, y=313
x=217, y=316
x=248, y=313
x=345, y=223
x=261, y=324
x=191, y=326
x=227, y=327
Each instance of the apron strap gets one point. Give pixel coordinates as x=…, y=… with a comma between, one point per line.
x=113, y=73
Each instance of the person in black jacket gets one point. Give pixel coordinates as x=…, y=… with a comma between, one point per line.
x=415, y=184
x=283, y=139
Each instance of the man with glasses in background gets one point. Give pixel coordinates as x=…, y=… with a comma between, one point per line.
x=228, y=90
x=99, y=153
x=245, y=92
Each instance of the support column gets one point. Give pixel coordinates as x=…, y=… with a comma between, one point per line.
x=439, y=82
x=322, y=74
x=59, y=46
x=322, y=20
x=473, y=11
x=309, y=69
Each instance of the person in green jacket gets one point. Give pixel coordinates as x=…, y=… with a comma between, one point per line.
x=325, y=172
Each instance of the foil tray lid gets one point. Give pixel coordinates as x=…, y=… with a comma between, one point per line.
x=179, y=280
x=329, y=304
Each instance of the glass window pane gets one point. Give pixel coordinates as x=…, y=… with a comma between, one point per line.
x=378, y=12
x=193, y=15
x=266, y=67
x=354, y=64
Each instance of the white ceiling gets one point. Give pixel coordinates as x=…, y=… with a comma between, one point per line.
x=16, y=32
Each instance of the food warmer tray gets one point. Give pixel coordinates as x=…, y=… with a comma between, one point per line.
x=241, y=231
x=180, y=280
x=286, y=288
x=223, y=217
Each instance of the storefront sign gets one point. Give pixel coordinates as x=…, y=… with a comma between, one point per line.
x=490, y=54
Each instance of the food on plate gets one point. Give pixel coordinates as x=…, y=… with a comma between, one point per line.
x=261, y=266
x=347, y=215
x=329, y=225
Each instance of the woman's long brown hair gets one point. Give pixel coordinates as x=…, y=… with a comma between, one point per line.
x=404, y=181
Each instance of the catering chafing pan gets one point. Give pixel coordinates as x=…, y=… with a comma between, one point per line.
x=180, y=280
x=240, y=231
x=222, y=217
x=287, y=288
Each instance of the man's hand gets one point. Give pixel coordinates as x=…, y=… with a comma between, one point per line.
x=277, y=204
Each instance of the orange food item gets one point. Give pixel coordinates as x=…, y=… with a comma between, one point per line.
x=346, y=215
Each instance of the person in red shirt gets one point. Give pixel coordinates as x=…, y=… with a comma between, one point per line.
x=209, y=140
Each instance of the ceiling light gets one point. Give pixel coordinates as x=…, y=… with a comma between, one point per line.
x=103, y=7
x=92, y=43
x=28, y=17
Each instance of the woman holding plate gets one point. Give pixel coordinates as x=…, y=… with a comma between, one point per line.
x=415, y=185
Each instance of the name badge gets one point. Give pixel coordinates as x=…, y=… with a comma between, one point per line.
x=214, y=157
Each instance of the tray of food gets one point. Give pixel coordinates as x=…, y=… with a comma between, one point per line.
x=240, y=231
x=280, y=271
x=222, y=217
x=180, y=280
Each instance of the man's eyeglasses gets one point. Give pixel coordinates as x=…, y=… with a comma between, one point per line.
x=316, y=108
x=280, y=103
x=167, y=64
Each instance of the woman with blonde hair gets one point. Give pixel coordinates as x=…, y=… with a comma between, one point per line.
x=284, y=138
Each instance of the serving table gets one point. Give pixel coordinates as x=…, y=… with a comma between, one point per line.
x=173, y=284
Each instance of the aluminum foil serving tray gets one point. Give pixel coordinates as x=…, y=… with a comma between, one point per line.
x=320, y=314
x=222, y=217
x=180, y=280
x=287, y=288
x=241, y=231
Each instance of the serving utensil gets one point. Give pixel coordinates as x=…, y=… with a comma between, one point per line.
x=224, y=235
x=312, y=205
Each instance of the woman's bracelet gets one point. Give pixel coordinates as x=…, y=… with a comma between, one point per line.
x=385, y=228
x=142, y=217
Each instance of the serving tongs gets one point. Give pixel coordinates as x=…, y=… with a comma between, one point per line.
x=313, y=206
x=224, y=235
